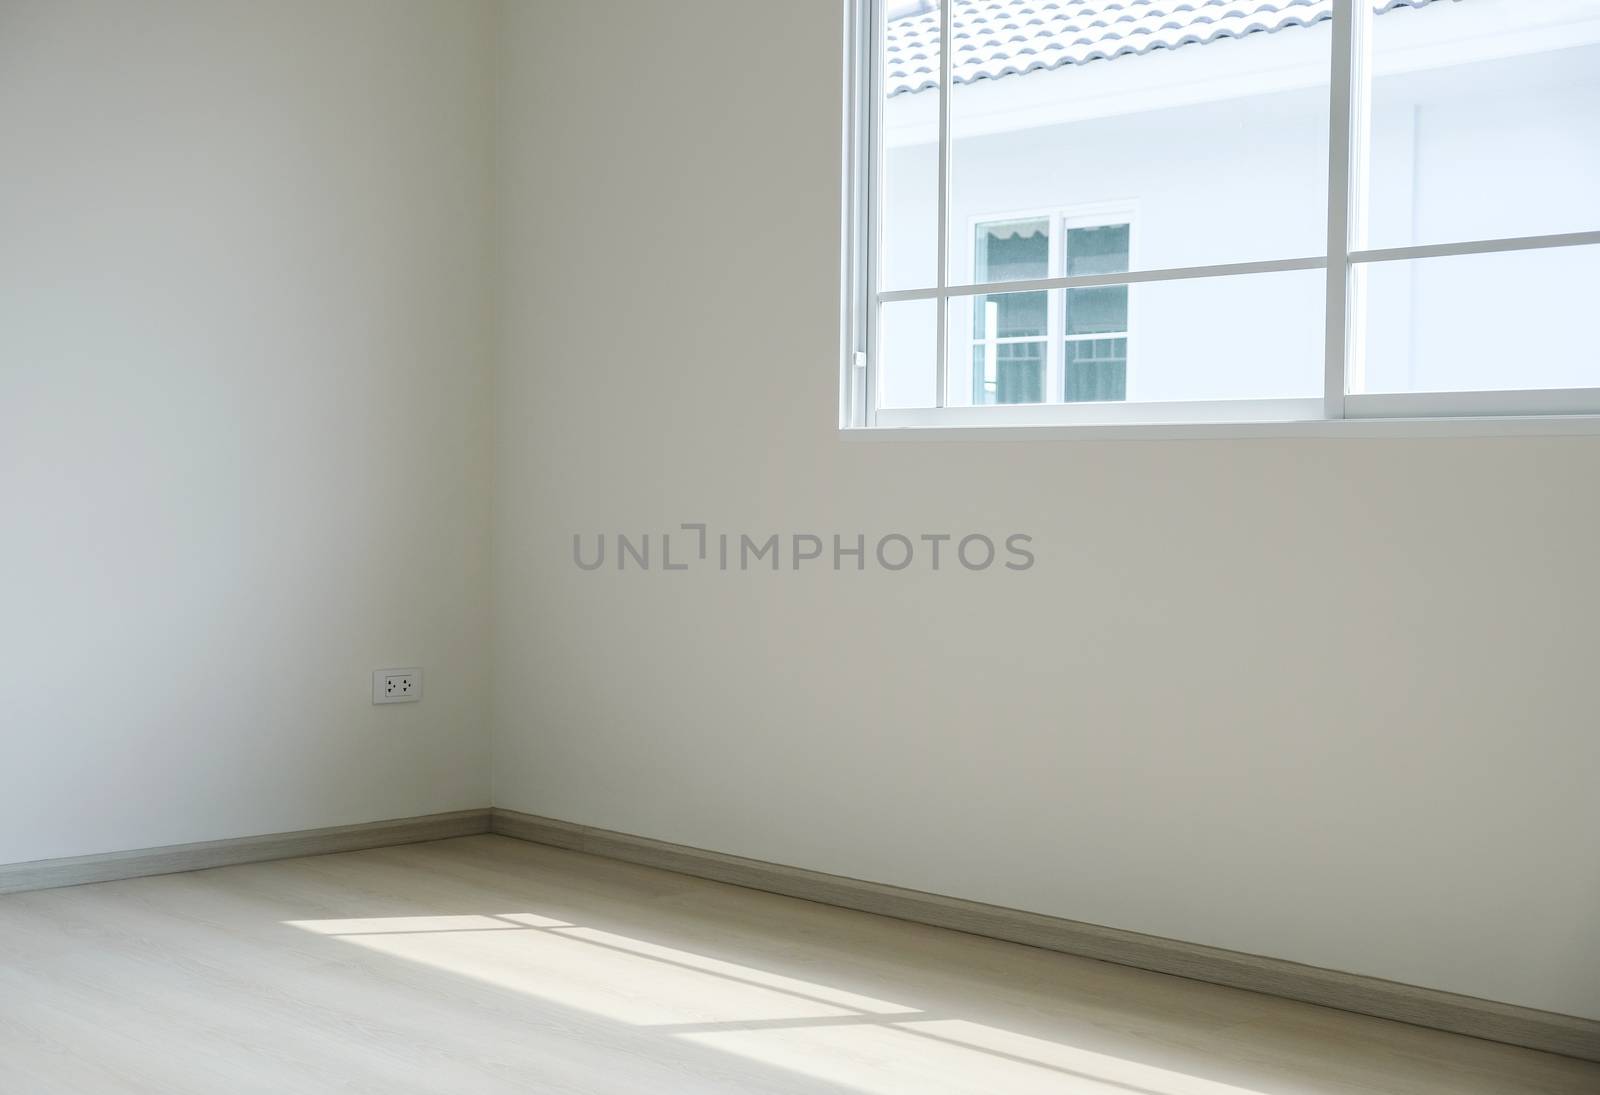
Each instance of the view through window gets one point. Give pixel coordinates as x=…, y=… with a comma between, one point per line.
x=1071, y=343
x=1238, y=210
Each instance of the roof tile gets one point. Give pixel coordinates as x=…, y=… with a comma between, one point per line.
x=998, y=38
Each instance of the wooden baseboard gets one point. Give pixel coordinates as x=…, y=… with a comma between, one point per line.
x=76, y=870
x=1520, y=1026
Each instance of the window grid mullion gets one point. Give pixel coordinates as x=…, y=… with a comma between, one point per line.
x=1348, y=143
x=1126, y=277
x=1055, y=311
x=946, y=69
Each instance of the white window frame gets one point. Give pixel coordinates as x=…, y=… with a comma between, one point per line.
x=1335, y=413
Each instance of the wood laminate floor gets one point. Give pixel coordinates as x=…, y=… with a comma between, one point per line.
x=488, y=965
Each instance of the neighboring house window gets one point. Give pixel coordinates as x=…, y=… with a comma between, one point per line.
x=1128, y=212
x=1010, y=331
x=1030, y=348
x=1097, y=318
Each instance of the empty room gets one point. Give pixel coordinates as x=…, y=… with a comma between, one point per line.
x=799, y=547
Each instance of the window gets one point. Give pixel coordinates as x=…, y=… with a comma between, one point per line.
x=1097, y=318
x=1011, y=338
x=1123, y=213
x=1051, y=346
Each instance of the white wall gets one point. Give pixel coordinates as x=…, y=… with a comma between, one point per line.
x=243, y=380
x=1328, y=701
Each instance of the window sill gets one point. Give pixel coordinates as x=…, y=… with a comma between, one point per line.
x=1395, y=428
x=1570, y=412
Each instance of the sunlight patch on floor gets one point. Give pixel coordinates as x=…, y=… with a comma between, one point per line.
x=400, y=925
x=884, y=1060
x=825, y=993
x=596, y=971
x=1070, y=1058
x=832, y=1035
x=950, y=1057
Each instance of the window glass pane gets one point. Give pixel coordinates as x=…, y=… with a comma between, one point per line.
x=1097, y=370
x=909, y=183
x=1099, y=250
x=1208, y=119
x=907, y=354
x=1485, y=120
x=1520, y=319
x=1098, y=310
x=1256, y=336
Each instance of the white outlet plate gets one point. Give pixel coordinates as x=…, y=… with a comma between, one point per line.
x=397, y=685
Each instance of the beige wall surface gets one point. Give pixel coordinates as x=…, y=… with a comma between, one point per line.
x=244, y=366
x=1331, y=701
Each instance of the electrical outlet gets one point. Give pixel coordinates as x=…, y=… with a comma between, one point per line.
x=396, y=685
